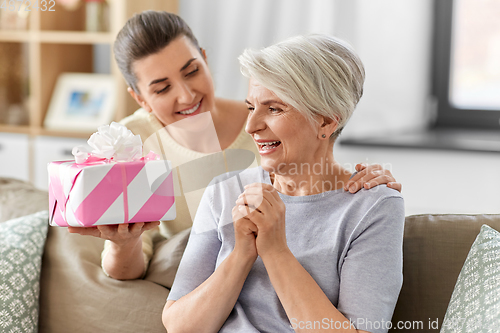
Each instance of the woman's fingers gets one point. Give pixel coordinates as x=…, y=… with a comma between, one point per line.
x=378, y=180
x=247, y=226
x=246, y=211
x=240, y=218
x=118, y=233
x=236, y=213
x=270, y=221
x=396, y=186
x=369, y=176
x=253, y=200
x=122, y=229
x=150, y=225
x=357, y=181
x=136, y=229
x=89, y=231
x=245, y=232
x=261, y=203
x=256, y=193
x=374, y=178
x=360, y=166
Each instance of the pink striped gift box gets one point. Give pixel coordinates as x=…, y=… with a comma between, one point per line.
x=101, y=192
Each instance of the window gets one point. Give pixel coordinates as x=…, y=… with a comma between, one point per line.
x=467, y=63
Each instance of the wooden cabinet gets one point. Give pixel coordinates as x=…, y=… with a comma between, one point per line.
x=14, y=156
x=55, y=42
x=47, y=149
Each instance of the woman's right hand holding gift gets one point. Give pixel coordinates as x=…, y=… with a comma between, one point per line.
x=121, y=235
x=124, y=259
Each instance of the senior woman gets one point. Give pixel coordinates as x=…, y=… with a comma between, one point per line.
x=167, y=74
x=282, y=247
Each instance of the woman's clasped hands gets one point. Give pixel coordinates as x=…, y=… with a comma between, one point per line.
x=259, y=222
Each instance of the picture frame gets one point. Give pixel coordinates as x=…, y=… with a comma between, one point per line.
x=82, y=102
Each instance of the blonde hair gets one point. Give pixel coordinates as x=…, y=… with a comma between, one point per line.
x=316, y=74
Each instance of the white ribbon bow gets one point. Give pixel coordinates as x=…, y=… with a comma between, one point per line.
x=111, y=142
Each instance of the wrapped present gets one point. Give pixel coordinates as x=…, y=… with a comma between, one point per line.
x=110, y=183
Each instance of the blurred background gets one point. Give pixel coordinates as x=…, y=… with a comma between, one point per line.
x=430, y=111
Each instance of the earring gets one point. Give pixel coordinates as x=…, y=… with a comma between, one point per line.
x=323, y=136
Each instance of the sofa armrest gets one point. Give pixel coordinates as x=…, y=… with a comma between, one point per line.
x=19, y=198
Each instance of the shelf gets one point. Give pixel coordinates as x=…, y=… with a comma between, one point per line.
x=53, y=43
x=75, y=37
x=15, y=129
x=436, y=138
x=42, y=131
x=72, y=134
x=15, y=36
x=59, y=37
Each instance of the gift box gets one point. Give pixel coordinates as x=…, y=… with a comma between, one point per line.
x=110, y=184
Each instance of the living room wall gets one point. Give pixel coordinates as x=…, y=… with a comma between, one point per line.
x=392, y=37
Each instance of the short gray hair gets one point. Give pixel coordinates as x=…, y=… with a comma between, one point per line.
x=316, y=74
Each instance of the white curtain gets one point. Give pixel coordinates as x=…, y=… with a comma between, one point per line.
x=224, y=28
x=392, y=37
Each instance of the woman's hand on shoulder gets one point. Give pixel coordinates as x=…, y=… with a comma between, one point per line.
x=120, y=234
x=369, y=176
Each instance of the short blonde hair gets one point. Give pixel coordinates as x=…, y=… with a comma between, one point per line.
x=316, y=74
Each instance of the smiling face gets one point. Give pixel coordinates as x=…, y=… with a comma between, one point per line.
x=283, y=135
x=174, y=83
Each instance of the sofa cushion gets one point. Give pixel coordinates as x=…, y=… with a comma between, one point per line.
x=21, y=247
x=475, y=302
x=20, y=198
x=166, y=258
x=76, y=295
x=434, y=250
